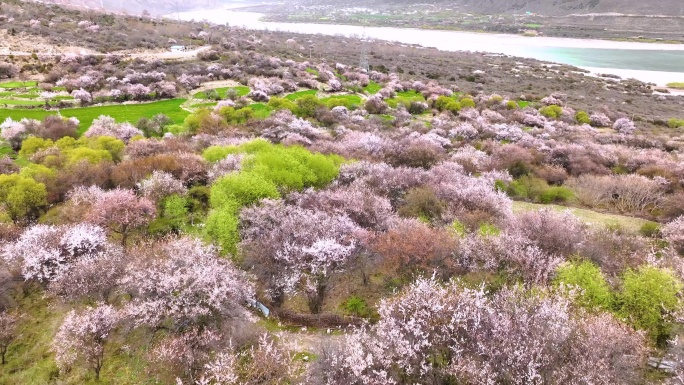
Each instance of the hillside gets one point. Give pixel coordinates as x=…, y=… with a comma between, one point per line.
x=544, y=7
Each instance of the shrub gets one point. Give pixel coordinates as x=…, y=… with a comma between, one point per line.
x=22, y=197
x=595, y=293
x=222, y=227
x=422, y=203
x=307, y=106
x=356, y=306
x=243, y=188
x=551, y=112
x=467, y=103
x=556, y=194
x=675, y=123
x=582, y=117
x=527, y=187
x=648, y=297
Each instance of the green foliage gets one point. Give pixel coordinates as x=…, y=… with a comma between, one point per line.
x=216, y=153
x=222, y=227
x=582, y=117
x=269, y=170
x=22, y=197
x=299, y=94
x=556, y=194
x=236, y=116
x=647, y=295
x=527, y=187
x=114, y=146
x=650, y=229
x=32, y=144
x=282, y=104
x=675, y=123
x=551, y=112
x=511, y=105
x=467, y=103
x=352, y=102
x=243, y=188
x=88, y=154
x=488, y=230
x=356, y=306
x=595, y=291
x=307, y=106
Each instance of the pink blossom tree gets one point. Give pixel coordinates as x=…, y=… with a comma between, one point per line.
x=82, y=338
x=294, y=248
x=436, y=333
x=73, y=261
x=161, y=184
x=82, y=95
x=120, y=211
x=673, y=232
x=185, y=283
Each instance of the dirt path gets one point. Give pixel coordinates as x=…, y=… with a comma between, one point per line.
x=311, y=342
x=182, y=55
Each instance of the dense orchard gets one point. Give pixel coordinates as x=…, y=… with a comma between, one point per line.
x=189, y=246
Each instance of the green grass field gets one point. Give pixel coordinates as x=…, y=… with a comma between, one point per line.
x=223, y=92
x=14, y=102
x=677, y=85
x=372, y=88
x=349, y=101
x=405, y=97
x=122, y=113
x=589, y=217
x=299, y=94
x=18, y=84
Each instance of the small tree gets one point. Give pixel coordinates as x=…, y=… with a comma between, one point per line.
x=82, y=338
x=121, y=212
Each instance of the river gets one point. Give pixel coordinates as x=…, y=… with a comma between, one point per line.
x=650, y=62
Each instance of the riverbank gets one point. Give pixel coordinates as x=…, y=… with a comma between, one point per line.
x=650, y=62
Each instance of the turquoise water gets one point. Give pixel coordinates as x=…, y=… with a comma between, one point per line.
x=642, y=60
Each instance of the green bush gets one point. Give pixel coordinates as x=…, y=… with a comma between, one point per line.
x=582, y=117
x=356, y=306
x=22, y=197
x=236, y=116
x=595, y=291
x=467, y=103
x=216, y=153
x=88, y=154
x=282, y=104
x=527, y=187
x=307, y=106
x=222, y=226
x=32, y=144
x=675, y=123
x=243, y=188
x=511, y=105
x=556, y=194
x=551, y=112
x=647, y=296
